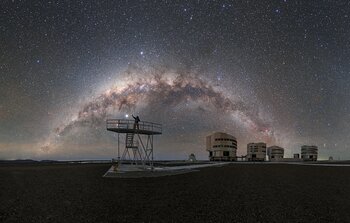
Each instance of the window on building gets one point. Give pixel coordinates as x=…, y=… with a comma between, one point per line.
x=226, y=153
x=210, y=153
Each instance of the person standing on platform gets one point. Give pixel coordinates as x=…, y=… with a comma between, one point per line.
x=137, y=120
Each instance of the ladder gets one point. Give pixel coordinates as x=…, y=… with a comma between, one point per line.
x=129, y=141
x=136, y=154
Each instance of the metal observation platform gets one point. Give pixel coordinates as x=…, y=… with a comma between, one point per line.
x=129, y=126
x=138, y=140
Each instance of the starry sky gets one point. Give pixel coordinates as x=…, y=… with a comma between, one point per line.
x=273, y=71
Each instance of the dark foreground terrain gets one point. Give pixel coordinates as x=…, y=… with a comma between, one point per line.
x=235, y=193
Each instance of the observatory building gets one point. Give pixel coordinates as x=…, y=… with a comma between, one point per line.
x=221, y=147
x=309, y=153
x=256, y=151
x=275, y=153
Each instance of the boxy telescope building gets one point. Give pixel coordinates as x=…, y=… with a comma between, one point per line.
x=221, y=147
x=256, y=151
x=309, y=153
x=275, y=153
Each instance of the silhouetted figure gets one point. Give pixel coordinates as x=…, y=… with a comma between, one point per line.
x=137, y=120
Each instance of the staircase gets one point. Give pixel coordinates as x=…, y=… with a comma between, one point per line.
x=129, y=143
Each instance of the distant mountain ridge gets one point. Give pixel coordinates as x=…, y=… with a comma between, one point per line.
x=28, y=161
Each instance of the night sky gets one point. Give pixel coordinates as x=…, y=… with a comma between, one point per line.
x=272, y=71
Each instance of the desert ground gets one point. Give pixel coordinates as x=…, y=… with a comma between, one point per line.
x=233, y=193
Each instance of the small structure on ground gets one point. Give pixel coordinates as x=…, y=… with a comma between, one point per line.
x=275, y=153
x=221, y=147
x=309, y=153
x=256, y=151
x=192, y=158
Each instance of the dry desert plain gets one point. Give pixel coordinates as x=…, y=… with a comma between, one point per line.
x=232, y=193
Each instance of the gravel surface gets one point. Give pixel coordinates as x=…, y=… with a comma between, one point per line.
x=234, y=193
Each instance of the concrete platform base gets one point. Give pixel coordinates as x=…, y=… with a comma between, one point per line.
x=134, y=171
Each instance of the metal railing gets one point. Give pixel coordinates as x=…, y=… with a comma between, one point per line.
x=130, y=124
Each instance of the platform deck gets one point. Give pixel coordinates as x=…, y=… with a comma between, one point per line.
x=129, y=126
